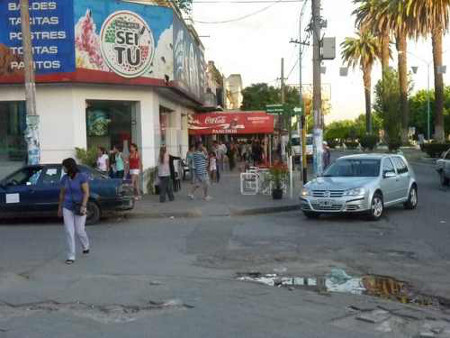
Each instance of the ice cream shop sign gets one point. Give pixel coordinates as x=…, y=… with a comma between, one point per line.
x=127, y=44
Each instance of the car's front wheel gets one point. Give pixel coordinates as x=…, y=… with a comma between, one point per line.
x=413, y=198
x=93, y=213
x=311, y=215
x=444, y=180
x=376, y=207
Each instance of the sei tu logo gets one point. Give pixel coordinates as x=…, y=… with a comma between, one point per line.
x=127, y=44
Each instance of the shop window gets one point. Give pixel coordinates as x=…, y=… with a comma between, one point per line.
x=12, y=128
x=109, y=123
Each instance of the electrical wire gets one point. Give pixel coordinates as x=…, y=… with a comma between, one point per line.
x=292, y=69
x=240, y=18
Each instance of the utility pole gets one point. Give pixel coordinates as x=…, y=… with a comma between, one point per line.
x=317, y=89
x=283, y=97
x=32, y=131
x=282, y=120
x=301, y=121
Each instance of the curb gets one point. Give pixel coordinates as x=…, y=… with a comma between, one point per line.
x=156, y=215
x=262, y=211
x=199, y=214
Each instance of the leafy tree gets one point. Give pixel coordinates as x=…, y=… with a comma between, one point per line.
x=257, y=96
x=432, y=17
x=387, y=105
x=394, y=16
x=368, y=16
x=419, y=111
x=363, y=51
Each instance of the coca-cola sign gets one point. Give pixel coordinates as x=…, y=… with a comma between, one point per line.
x=231, y=123
x=215, y=120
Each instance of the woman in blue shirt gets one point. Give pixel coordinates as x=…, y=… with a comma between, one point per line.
x=73, y=200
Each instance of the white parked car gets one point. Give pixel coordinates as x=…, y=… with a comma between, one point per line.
x=443, y=168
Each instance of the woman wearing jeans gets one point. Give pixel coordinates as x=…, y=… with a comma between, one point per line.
x=74, y=192
x=165, y=183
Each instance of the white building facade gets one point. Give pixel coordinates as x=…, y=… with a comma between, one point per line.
x=122, y=73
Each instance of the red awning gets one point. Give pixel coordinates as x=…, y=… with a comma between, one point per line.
x=237, y=123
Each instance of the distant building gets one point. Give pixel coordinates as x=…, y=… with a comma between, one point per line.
x=214, y=87
x=233, y=87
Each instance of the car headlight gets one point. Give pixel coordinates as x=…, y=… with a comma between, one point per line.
x=305, y=192
x=355, y=192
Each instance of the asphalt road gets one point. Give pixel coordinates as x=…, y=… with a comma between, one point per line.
x=177, y=277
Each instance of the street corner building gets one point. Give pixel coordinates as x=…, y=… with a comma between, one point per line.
x=107, y=73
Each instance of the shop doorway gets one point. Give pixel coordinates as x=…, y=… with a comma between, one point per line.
x=110, y=123
x=13, y=148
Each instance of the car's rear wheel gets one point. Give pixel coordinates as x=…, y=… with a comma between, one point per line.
x=444, y=180
x=93, y=213
x=413, y=198
x=311, y=215
x=376, y=207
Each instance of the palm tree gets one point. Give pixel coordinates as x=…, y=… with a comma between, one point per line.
x=432, y=17
x=393, y=16
x=367, y=18
x=363, y=51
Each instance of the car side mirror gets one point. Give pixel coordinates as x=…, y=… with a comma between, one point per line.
x=389, y=174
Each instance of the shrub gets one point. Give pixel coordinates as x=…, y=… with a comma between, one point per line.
x=87, y=157
x=435, y=149
x=352, y=144
x=369, y=141
x=394, y=144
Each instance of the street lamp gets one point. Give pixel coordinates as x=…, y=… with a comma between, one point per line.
x=440, y=70
x=415, y=69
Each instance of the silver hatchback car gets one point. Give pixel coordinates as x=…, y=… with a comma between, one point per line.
x=361, y=184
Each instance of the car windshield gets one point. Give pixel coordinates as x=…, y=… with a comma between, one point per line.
x=354, y=168
x=295, y=141
x=309, y=140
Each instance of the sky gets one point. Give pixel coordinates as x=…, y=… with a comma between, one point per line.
x=254, y=46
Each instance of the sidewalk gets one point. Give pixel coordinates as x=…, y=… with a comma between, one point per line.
x=227, y=201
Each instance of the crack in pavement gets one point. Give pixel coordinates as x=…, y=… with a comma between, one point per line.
x=405, y=322
x=105, y=314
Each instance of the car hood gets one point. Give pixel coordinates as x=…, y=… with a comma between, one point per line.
x=339, y=183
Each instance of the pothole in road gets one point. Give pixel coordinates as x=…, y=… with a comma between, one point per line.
x=338, y=281
x=106, y=314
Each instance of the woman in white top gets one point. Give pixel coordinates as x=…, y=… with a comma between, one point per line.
x=165, y=183
x=102, y=160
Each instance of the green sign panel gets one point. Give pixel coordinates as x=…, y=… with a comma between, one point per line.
x=275, y=108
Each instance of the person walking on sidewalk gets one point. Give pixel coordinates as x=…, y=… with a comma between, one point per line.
x=190, y=162
x=135, y=168
x=165, y=183
x=73, y=199
x=103, y=164
x=201, y=178
x=213, y=167
x=119, y=162
x=219, y=160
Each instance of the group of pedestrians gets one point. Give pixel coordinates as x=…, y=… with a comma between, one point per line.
x=116, y=165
